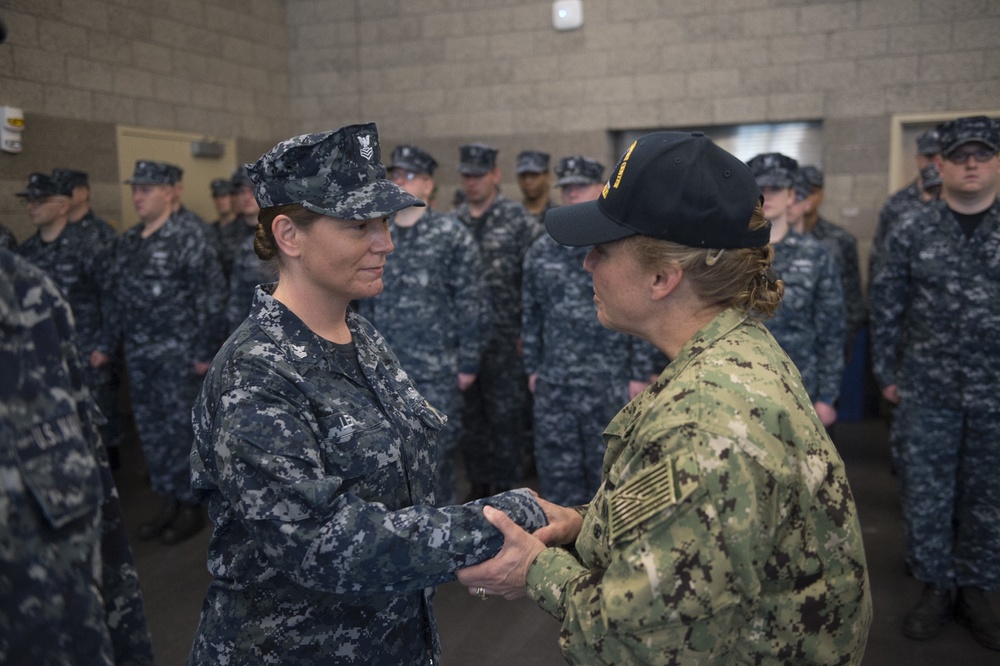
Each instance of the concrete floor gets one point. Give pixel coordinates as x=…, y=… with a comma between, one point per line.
x=497, y=632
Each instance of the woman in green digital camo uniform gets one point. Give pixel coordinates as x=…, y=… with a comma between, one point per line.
x=724, y=531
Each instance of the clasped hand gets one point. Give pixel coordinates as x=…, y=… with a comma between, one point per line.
x=505, y=574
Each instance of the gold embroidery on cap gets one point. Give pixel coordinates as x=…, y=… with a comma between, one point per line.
x=621, y=169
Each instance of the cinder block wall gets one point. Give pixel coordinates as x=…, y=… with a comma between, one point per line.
x=444, y=72
x=80, y=67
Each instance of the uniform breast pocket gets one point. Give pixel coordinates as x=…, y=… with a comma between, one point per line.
x=359, y=446
x=159, y=276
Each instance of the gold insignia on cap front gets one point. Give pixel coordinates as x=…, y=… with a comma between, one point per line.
x=621, y=169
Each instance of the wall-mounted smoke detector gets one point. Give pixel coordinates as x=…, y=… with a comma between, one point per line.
x=567, y=14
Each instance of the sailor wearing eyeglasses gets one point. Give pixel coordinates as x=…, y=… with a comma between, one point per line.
x=936, y=353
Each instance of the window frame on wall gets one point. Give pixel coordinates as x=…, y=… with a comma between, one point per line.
x=800, y=139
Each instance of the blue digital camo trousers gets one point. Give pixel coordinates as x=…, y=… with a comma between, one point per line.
x=569, y=447
x=493, y=420
x=947, y=463
x=163, y=389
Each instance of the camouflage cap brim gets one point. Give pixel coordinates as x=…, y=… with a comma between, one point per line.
x=774, y=178
x=577, y=180
x=146, y=181
x=958, y=143
x=408, y=165
x=473, y=170
x=376, y=199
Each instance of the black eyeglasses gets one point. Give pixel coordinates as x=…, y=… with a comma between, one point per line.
x=980, y=156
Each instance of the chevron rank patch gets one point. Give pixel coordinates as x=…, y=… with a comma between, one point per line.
x=653, y=491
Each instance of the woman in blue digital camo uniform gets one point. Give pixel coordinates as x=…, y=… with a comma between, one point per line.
x=724, y=531
x=810, y=324
x=314, y=452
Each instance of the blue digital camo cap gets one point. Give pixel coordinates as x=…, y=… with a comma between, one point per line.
x=773, y=169
x=241, y=178
x=801, y=185
x=147, y=172
x=337, y=173
x=579, y=170
x=972, y=129
x=928, y=143
x=413, y=159
x=221, y=187
x=532, y=161
x=813, y=174
x=40, y=185
x=930, y=177
x=71, y=177
x=476, y=159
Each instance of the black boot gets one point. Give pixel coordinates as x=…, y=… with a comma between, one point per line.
x=188, y=522
x=926, y=618
x=972, y=609
x=155, y=526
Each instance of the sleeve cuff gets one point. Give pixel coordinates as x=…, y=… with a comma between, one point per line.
x=521, y=506
x=548, y=577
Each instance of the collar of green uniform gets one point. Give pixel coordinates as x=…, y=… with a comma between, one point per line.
x=720, y=325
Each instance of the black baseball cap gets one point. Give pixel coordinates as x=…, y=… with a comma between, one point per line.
x=675, y=186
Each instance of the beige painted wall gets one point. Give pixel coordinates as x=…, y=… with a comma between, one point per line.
x=444, y=72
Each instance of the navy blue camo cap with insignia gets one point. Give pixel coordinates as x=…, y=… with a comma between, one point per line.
x=476, y=159
x=930, y=177
x=801, y=185
x=956, y=133
x=675, y=186
x=413, y=159
x=928, y=143
x=222, y=187
x=337, y=173
x=812, y=174
x=773, y=169
x=241, y=178
x=532, y=161
x=41, y=185
x=147, y=172
x=579, y=170
x=71, y=177
x=176, y=173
